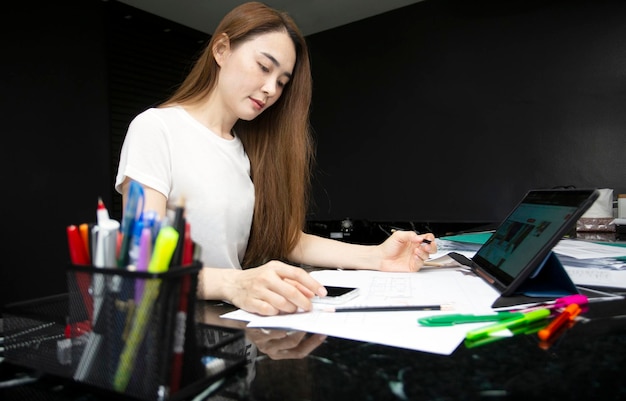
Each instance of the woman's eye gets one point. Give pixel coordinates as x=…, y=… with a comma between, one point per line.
x=264, y=68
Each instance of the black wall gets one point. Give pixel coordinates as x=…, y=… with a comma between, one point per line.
x=55, y=133
x=450, y=110
x=440, y=111
x=73, y=75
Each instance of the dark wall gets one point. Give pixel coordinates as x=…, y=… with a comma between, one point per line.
x=73, y=75
x=441, y=111
x=55, y=130
x=450, y=110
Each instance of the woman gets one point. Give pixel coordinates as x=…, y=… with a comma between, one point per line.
x=234, y=143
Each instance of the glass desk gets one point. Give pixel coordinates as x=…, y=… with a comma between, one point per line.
x=587, y=361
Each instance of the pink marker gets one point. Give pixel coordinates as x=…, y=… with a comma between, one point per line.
x=578, y=299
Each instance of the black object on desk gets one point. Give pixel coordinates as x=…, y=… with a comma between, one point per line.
x=51, y=337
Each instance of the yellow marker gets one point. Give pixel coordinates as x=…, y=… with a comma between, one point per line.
x=163, y=250
x=137, y=335
x=159, y=262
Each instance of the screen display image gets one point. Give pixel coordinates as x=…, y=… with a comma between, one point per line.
x=527, y=235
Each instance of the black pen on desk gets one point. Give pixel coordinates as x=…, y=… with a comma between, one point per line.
x=388, y=308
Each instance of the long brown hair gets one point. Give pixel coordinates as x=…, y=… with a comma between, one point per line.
x=278, y=142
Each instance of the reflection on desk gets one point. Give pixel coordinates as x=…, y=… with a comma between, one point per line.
x=587, y=361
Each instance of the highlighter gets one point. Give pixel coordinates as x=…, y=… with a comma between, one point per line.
x=527, y=318
x=163, y=250
x=555, y=325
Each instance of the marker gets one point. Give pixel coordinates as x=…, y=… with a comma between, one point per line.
x=188, y=246
x=578, y=299
x=79, y=256
x=102, y=214
x=143, y=260
x=163, y=250
x=451, y=320
x=560, y=303
x=84, y=235
x=106, y=243
x=104, y=256
x=555, y=325
x=78, y=252
x=527, y=318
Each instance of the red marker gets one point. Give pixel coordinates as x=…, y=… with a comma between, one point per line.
x=78, y=252
x=79, y=256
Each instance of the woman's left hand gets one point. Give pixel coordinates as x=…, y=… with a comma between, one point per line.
x=406, y=251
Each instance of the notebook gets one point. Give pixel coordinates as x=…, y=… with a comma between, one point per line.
x=517, y=260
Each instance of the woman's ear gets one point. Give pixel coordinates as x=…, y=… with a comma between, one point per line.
x=221, y=49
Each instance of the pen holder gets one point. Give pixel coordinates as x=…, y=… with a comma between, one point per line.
x=127, y=327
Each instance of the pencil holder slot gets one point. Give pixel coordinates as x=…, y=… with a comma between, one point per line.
x=124, y=327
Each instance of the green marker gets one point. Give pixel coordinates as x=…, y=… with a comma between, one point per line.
x=526, y=319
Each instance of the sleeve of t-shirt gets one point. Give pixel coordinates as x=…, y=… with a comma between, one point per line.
x=145, y=156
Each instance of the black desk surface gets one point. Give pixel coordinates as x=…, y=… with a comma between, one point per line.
x=588, y=361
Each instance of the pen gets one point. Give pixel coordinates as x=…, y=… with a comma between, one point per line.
x=389, y=308
x=181, y=315
x=555, y=325
x=527, y=318
x=424, y=241
x=179, y=226
x=134, y=207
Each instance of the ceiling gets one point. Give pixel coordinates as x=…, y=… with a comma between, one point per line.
x=312, y=16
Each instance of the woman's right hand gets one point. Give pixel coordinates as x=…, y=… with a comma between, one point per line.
x=272, y=288
x=282, y=344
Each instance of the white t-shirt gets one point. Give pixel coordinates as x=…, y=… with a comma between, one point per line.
x=170, y=151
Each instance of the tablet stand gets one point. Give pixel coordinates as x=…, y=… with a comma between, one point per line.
x=548, y=281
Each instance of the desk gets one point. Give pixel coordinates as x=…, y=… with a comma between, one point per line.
x=587, y=362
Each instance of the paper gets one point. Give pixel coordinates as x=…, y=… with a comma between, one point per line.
x=588, y=250
x=464, y=291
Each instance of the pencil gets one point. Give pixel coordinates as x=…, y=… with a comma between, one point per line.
x=389, y=308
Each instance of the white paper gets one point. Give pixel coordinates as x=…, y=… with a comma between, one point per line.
x=588, y=250
x=465, y=292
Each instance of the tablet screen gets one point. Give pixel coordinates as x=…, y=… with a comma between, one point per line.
x=523, y=240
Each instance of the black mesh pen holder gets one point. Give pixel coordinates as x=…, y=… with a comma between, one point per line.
x=126, y=327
